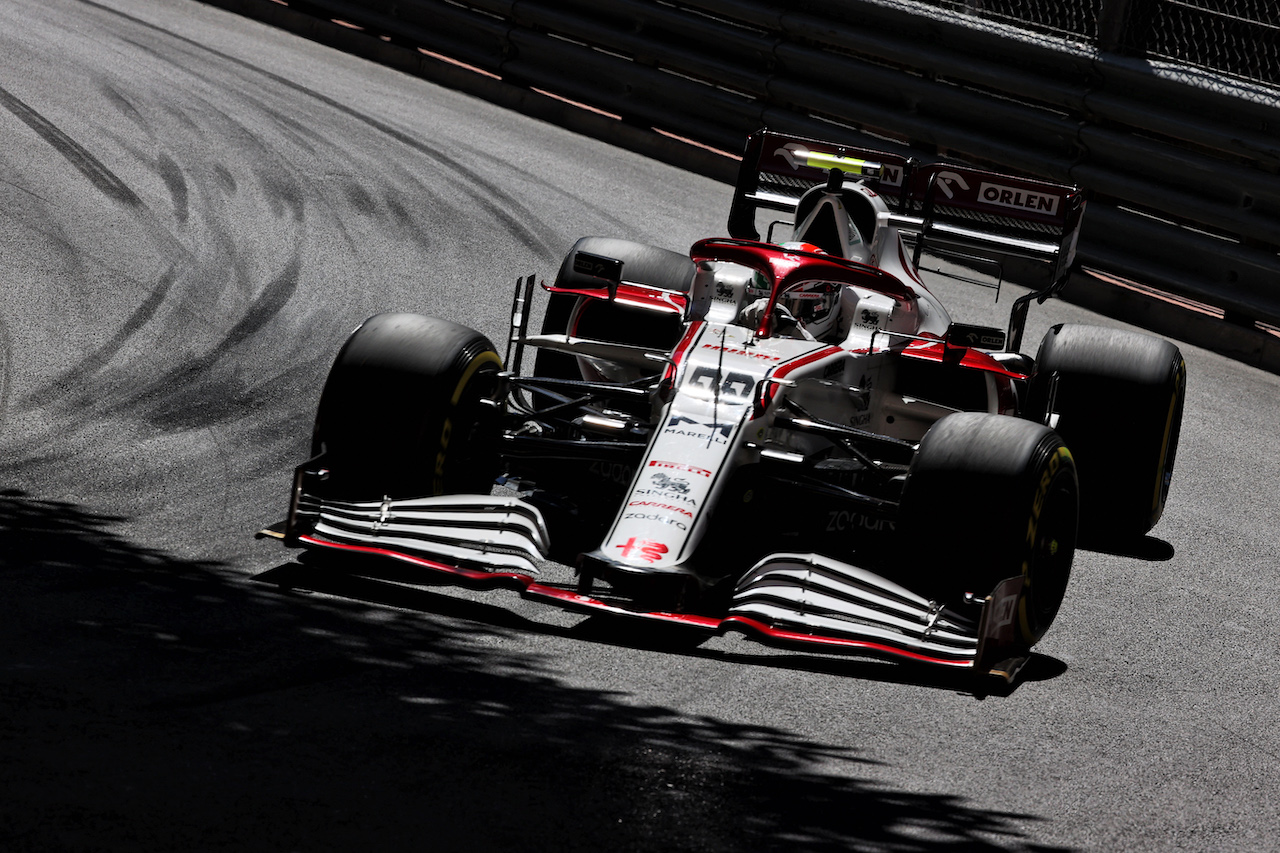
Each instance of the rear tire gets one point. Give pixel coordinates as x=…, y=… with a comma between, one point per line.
x=1117, y=403
x=989, y=497
x=400, y=414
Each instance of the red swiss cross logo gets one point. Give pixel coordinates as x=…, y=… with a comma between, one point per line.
x=645, y=549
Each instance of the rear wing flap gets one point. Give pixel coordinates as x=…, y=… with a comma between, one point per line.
x=951, y=208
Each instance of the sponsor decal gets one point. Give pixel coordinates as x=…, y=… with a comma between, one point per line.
x=677, y=424
x=946, y=179
x=662, y=494
x=661, y=519
x=679, y=485
x=711, y=438
x=795, y=154
x=645, y=549
x=680, y=466
x=1019, y=199
x=842, y=520
x=798, y=155
x=597, y=266
x=615, y=472
x=1042, y=491
x=807, y=292
x=679, y=510
x=868, y=319
x=1003, y=614
x=743, y=352
x=982, y=340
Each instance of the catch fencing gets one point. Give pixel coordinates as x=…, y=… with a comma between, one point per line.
x=1166, y=111
x=1237, y=38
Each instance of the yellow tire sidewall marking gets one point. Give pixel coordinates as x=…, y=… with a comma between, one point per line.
x=1054, y=464
x=446, y=429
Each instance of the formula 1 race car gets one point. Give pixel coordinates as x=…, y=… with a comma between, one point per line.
x=790, y=440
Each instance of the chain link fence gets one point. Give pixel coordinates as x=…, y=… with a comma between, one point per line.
x=1069, y=18
x=1240, y=38
x=1237, y=37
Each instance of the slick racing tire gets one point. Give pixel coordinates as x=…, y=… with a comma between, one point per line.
x=990, y=497
x=642, y=264
x=400, y=414
x=1116, y=399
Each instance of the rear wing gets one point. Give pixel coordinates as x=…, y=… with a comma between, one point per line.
x=951, y=208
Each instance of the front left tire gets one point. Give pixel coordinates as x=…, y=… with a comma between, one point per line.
x=989, y=497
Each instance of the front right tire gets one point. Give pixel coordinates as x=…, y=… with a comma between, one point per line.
x=401, y=412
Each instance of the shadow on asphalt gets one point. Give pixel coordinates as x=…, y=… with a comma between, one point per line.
x=149, y=703
x=1148, y=548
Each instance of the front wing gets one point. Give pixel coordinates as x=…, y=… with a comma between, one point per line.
x=787, y=599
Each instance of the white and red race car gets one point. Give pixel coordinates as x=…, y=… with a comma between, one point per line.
x=788, y=440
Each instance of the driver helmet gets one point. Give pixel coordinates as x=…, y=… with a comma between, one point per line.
x=814, y=304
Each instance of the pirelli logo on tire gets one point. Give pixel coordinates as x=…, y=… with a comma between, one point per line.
x=1060, y=457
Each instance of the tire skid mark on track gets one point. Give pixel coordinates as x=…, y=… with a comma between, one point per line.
x=90, y=365
x=75, y=153
x=503, y=206
x=183, y=288
x=268, y=304
x=124, y=106
x=178, y=284
x=6, y=375
x=171, y=174
x=170, y=283
x=77, y=375
x=178, y=399
x=174, y=398
x=111, y=186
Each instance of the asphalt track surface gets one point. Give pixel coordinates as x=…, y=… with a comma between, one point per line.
x=194, y=212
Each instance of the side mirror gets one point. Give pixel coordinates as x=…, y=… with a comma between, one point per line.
x=606, y=272
x=975, y=337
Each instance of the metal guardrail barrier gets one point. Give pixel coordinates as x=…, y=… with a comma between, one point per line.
x=1182, y=164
